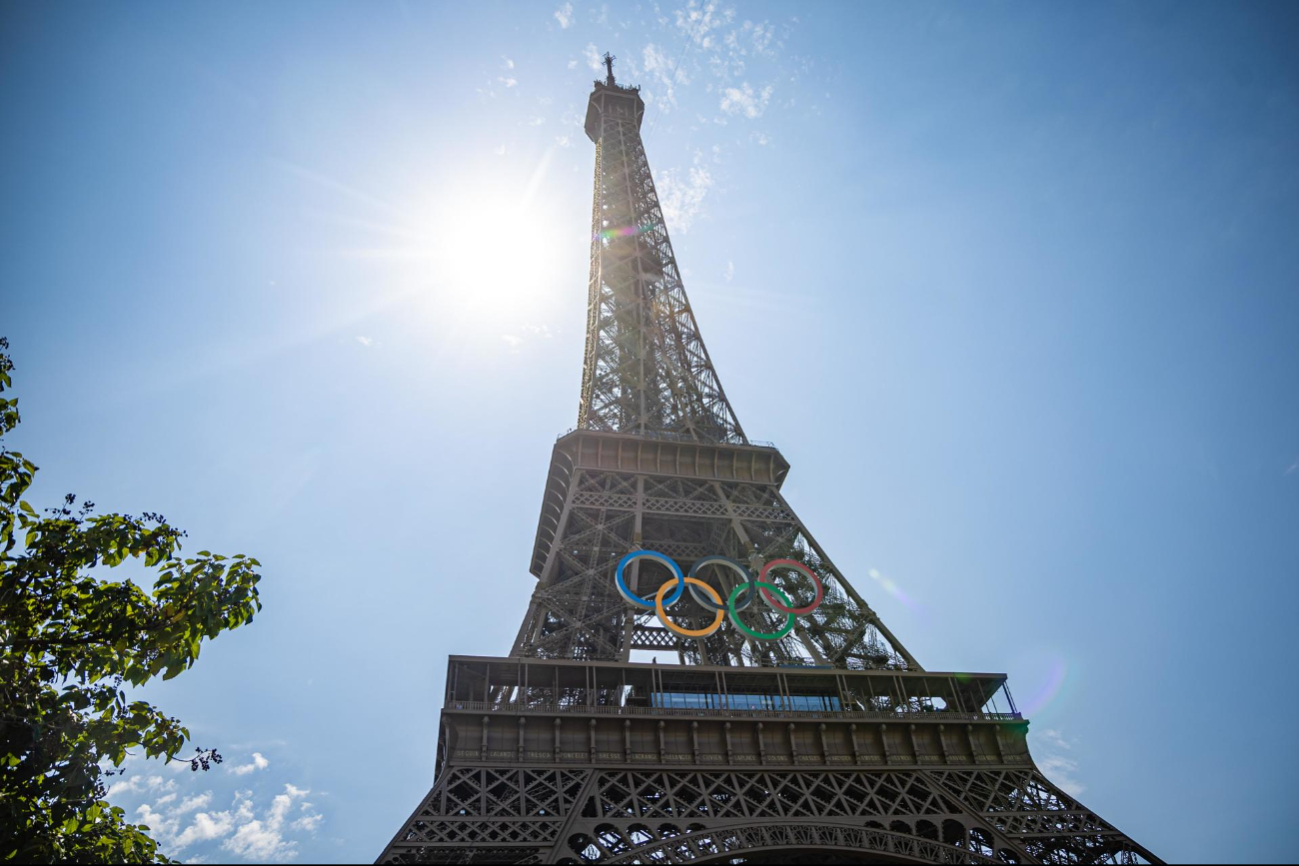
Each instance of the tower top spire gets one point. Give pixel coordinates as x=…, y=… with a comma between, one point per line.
x=608, y=63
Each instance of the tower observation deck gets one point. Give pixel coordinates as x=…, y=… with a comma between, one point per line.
x=778, y=719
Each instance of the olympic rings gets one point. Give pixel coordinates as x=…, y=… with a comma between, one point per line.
x=702, y=632
x=735, y=617
x=709, y=598
x=662, y=559
x=801, y=569
x=726, y=562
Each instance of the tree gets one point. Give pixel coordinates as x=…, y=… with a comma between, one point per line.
x=70, y=639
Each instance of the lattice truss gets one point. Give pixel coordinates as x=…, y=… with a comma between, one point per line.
x=576, y=612
x=517, y=815
x=646, y=368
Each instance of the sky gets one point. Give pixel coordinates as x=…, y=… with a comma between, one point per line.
x=1014, y=288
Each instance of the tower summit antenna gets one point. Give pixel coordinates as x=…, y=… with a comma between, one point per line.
x=608, y=63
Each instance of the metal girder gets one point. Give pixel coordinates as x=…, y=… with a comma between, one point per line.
x=603, y=813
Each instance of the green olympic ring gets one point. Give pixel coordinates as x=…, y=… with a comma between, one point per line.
x=735, y=616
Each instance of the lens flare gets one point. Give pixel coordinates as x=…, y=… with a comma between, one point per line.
x=1047, y=691
x=624, y=232
x=894, y=590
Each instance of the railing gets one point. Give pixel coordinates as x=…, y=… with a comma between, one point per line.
x=890, y=663
x=635, y=88
x=670, y=436
x=736, y=713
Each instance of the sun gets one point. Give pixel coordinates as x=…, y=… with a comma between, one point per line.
x=491, y=247
x=494, y=249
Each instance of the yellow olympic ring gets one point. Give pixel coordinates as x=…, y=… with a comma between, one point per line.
x=702, y=632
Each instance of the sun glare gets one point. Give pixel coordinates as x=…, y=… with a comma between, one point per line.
x=493, y=251
x=480, y=255
x=490, y=248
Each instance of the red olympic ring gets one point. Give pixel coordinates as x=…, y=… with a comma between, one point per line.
x=801, y=569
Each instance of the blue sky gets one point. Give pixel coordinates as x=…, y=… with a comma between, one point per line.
x=1013, y=286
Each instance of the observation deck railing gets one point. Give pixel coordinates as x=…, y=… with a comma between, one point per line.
x=733, y=713
x=630, y=88
x=670, y=436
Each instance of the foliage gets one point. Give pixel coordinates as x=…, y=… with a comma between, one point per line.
x=70, y=639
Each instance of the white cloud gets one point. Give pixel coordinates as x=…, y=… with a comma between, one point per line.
x=243, y=805
x=1059, y=768
x=536, y=121
x=593, y=59
x=263, y=839
x=509, y=64
x=365, y=341
x=724, y=49
x=205, y=828
x=760, y=36
x=258, y=762
x=530, y=332
x=499, y=151
x=564, y=15
x=257, y=841
x=310, y=822
x=572, y=64
x=160, y=825
x=1055, y=739
x=563, y=141
x=730, y=271
x=190, y=804
x=186, y=822
x=508, y=82
x=700, y=21
x=683, y=200
x=138, y=784
x=664, y=71
x=744, y=100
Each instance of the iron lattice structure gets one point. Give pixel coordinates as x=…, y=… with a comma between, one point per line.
x=830, y=744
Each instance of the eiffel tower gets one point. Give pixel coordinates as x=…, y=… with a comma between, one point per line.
x=775, y=733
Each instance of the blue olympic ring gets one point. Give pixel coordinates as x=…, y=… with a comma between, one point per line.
x=633, y=598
